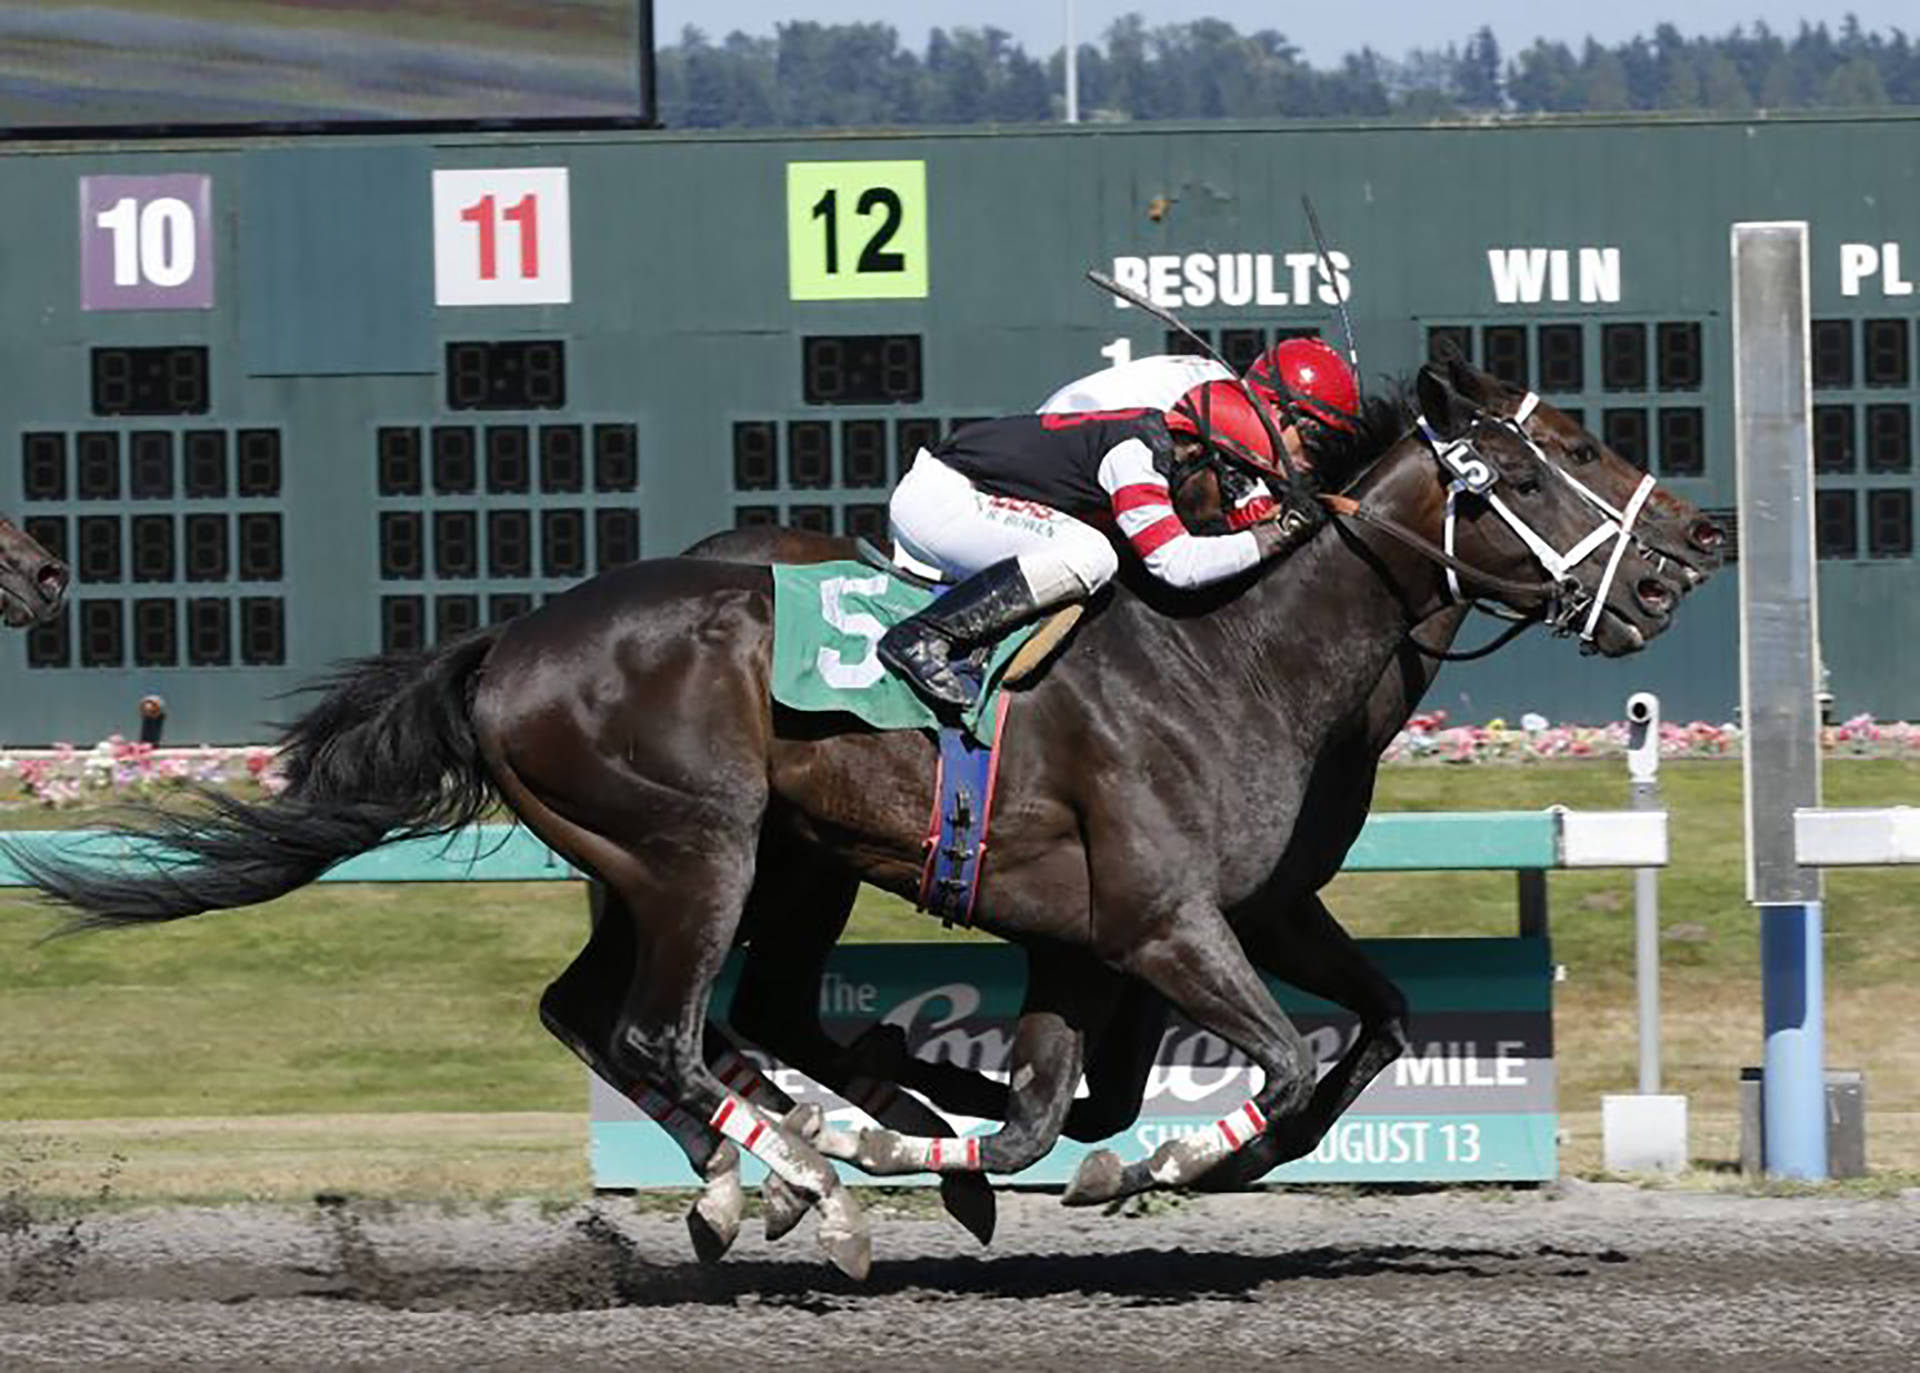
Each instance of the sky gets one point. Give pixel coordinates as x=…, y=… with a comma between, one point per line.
x=1325, y=32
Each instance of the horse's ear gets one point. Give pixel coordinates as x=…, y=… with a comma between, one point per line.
x=1440, y=400
x=1466, y=379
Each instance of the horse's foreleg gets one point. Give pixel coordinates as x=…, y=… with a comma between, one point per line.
x=1192, y=958
x=1308, y=948
x=1119, y=1063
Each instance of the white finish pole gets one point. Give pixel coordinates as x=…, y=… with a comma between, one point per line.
x=1073, y=69
x=1779, y=677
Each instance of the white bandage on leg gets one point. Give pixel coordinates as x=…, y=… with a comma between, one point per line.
x=738, y=1074
x=947, y=1155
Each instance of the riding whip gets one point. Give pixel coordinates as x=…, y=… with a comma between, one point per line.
x=1173, y=321
x=1339, y=296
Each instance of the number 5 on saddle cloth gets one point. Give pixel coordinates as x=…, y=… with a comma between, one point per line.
x=828, y=619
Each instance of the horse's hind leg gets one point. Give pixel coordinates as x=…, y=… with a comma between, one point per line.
x=794, y=917
x=661, y=1023
x=1309, y=949
x=579, y=1009
x=682, y=875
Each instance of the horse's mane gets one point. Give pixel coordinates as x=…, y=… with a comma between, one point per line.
x=1340, y=457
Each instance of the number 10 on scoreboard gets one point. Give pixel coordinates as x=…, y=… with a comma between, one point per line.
x=501, y=236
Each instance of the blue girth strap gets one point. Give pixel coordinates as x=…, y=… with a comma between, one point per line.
x=957, y=830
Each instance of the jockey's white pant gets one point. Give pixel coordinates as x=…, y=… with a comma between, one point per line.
x=945, y=526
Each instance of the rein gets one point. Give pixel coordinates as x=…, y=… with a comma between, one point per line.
x=1346, y=507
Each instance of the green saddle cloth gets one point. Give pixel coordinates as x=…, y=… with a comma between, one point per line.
x=827, y=623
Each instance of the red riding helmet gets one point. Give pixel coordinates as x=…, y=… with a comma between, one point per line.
x=1219, y=413
x=1310, y=374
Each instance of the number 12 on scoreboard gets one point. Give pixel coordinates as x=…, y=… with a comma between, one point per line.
x=857, y=230
x=501, y=236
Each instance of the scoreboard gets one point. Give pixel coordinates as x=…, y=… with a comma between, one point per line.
x=283, y=401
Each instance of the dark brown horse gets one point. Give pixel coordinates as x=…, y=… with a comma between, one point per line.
x=1286, y=929
x=1140, y=836
x=33, y=583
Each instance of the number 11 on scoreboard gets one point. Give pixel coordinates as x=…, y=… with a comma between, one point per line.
x=501, y=236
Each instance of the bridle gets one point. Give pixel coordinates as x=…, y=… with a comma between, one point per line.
x=1474, y=475
x=1566, y=607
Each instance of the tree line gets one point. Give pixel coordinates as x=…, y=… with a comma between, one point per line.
x=811, y=75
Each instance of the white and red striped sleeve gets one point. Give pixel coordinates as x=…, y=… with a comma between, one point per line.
x=1143, y=507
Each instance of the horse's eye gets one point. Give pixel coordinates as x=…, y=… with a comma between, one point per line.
x=1585, y=451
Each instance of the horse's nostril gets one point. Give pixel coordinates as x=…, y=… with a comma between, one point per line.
x=52, y=579
x=1706, y=536
x=1655, y=597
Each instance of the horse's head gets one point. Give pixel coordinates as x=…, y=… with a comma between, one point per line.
x=1671, y=527
x=1532, y=496
x=33, y=583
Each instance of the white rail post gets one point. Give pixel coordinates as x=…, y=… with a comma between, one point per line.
x=1645, y=1131
x=1643, y=793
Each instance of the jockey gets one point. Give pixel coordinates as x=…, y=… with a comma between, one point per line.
x=1324, y=391
x=999, y=506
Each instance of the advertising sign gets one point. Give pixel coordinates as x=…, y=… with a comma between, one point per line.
x=1472, y=1100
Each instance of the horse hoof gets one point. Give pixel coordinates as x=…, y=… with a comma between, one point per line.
x=969, y=1199
x=804, y=1122
x=782, y=1205
x=714, y=1222
x=844, y=1236
x=1098, y=1179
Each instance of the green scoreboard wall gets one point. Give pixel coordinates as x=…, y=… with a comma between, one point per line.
x=283, y=402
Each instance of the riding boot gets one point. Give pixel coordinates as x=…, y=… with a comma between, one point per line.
x=920, y=648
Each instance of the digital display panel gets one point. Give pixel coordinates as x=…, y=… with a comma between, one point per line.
x=509, y=375
x=150, y=65
x=860, y=369
x=150, y=381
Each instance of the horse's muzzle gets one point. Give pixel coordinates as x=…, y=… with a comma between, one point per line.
x=36, y=596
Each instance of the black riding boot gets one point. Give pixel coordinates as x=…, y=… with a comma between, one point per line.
x=990, y=602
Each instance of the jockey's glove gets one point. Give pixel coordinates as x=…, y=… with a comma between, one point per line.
x=1291, y=524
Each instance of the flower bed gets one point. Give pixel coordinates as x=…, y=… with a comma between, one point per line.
x=1428, y=738
x=115, y=769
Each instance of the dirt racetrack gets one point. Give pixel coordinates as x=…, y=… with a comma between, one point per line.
x=1577, y=1276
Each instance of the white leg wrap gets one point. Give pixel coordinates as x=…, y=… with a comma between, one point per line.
x=886, y=1154
x=750, y=1128
x=686, y=1129
x=1180, y=1161
x=949, y=1155
x=737, y=1074
x=1241, y=1127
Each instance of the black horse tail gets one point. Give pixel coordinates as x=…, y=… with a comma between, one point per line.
x=388, y=752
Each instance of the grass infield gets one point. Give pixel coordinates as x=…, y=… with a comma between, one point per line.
x=270, y=1052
